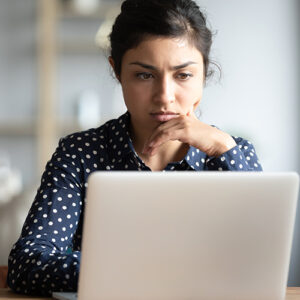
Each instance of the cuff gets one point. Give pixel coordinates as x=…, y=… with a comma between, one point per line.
x=232, y=160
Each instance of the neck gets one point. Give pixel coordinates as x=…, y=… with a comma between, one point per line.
x=170, y=151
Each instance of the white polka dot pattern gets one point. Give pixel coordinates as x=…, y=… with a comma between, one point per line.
x=46, y=258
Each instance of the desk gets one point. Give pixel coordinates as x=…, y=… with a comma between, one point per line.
x=293, y=293
x=8, y=294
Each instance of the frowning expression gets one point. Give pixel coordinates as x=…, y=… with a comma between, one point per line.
x=161, y=78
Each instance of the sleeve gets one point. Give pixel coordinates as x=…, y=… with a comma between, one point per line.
x=242, y=157
x=42, y=261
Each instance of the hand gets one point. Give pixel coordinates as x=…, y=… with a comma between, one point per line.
x=189, y=130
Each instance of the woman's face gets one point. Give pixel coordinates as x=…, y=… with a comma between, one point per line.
x=161, y=78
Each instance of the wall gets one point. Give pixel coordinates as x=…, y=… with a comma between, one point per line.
x=257, y=96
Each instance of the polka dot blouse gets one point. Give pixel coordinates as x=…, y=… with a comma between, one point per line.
x=46, y=257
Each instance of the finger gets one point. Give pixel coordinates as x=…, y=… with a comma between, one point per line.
x=161, y=137
x=154, y=149
x=191, y=113
x=170, y=125
x=164, y=133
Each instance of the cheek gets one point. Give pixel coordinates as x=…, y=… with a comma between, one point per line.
x=133, y=96
x=197, y=90
x=191, y=95
x=134, y=92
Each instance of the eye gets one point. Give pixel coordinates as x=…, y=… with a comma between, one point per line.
x=144, y=75
x=184, y=76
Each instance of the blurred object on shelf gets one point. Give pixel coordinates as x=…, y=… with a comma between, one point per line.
x=86, y=6
x=89, y=109
x=104, y=11
x=102, y=36
x=10, y=180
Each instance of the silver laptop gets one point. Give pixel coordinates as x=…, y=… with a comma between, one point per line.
x=187, y=235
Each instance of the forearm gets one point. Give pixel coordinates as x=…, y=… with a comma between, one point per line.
x=39, y=270
x=242, y=157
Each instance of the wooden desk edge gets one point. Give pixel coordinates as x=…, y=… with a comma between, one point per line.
x=8, y=294
x=293, y=293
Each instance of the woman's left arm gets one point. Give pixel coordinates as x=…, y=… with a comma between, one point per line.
x=242, y=157
x=223, y=151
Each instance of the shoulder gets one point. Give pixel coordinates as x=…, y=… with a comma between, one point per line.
x=243, y=144
x=99, y=135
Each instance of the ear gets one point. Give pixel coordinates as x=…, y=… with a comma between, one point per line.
x=112, y=63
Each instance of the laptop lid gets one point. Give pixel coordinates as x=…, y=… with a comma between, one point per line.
x=187, y=235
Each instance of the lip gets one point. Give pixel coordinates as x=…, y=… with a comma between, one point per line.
x=164, y=116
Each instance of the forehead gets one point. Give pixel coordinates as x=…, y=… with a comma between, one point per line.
x=164, y=50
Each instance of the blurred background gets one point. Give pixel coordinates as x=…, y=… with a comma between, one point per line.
x=55, y=79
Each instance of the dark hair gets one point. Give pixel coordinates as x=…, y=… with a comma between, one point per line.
x=140, y=19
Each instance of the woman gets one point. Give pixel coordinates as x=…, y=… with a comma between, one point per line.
x=160, y=55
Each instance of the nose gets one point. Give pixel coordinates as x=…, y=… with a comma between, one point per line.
x=164, y=91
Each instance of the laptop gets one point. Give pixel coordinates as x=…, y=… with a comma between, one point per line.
x=187, y=235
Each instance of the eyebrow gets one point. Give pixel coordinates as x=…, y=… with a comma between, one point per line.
x=155, y=69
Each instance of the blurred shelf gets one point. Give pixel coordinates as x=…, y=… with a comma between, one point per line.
x=68, y=126
x=29, y=129
x=18, y=129
x=71, y=125
x=56, y=37
x=79, y=47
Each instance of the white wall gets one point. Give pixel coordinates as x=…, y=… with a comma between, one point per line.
x=257, y=45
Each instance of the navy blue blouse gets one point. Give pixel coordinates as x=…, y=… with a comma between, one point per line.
x=46, y=257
